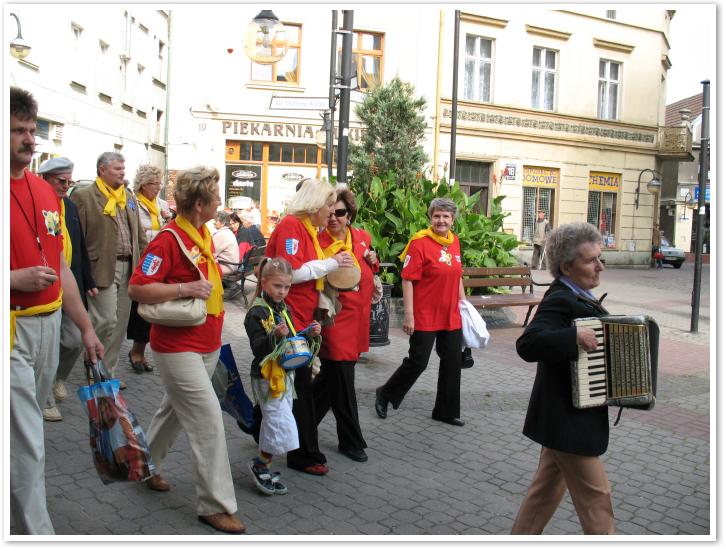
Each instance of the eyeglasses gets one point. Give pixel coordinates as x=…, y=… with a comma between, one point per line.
x=340, y=212
x=64, y=181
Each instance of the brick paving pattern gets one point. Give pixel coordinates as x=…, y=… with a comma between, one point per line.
x=423, y=477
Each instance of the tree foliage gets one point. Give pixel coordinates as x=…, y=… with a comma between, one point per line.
x=395, y=127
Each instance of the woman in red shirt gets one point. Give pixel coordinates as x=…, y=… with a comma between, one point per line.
x=432, y=288
x=347, y=338
x=187, y=356
x=295, y=239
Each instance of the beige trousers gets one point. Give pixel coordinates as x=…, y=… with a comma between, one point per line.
x=585, y=478
x=33, y=363
x=109, y=312
x=190, y=404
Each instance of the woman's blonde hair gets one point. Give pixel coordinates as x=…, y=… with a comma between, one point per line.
x=313, y=195
x=270, y=267
x=194, y=184
x=144, y=175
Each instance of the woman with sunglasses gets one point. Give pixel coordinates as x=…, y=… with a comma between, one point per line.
x=295, y=239
x=347, y=338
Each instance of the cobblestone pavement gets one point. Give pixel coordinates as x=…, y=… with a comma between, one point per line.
x=425, y=478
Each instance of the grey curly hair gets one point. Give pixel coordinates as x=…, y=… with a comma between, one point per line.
x=563, y=242
x=443, y=204
x=144, y=175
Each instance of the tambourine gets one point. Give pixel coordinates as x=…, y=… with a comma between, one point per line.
x=344, y=278
x=296, y=353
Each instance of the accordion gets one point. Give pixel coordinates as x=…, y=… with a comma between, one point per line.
x=623, y=369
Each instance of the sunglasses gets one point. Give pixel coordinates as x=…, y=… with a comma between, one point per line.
x=340, y=212
x=64, y=181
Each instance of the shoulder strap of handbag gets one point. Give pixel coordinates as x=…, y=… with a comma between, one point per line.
x=184, y=250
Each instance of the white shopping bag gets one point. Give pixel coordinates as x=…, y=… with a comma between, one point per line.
x=473, y=327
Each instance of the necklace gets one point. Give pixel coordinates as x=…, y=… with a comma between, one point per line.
x=33, y=227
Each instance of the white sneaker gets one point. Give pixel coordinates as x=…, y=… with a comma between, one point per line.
x=59, y=390
x=52, y=414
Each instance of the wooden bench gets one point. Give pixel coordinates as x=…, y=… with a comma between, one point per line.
x=234, y=283
x=513, y=276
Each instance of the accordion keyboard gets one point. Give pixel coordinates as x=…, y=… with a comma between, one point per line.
x=591, y=368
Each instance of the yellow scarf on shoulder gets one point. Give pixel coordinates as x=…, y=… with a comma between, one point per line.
x=428, y=232
x=67, y=245
x=116, y=197
x=337, y=245
x=153, y=207
x=320, y=282
x=215, y=302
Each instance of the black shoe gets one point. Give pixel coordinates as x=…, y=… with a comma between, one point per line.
x=450, y=421
x=467, y=360
x=381, y=404
x=356, y=455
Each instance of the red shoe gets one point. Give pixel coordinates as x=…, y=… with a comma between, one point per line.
x=318, y=469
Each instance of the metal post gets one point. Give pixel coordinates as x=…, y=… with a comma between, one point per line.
x=165, y=184
x=703, y=173
x=330, y=128
x=454, y=99
x=346, y=58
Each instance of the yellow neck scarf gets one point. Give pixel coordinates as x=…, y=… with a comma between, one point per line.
x=337, y=245
x=153, y=208
x=270, y=367
x=116, y=197
x=215, y=302
x=320, y=282
x=67, y=245
x=428, y=232
x=33, y=311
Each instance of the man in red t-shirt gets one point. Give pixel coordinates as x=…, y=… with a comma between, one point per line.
x=36, y=295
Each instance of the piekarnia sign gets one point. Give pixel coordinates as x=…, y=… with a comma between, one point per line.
x=274, y=130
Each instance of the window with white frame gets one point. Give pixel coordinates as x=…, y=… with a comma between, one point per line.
x=478, y=68
x=608, y=89
x=544, y=78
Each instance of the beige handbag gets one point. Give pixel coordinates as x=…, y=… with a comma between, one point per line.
x=180, y=312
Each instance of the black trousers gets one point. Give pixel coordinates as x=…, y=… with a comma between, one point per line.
x=138, y=329
x=334, y=388
x=448, y=348
x=303, y=408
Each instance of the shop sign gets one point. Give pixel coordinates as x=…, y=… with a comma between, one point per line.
x=540, y=176
x=696, y=193
x=244, y=174
x=605, y=181
x=292, y=177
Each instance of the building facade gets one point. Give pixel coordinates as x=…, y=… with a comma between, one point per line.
x=99, y=74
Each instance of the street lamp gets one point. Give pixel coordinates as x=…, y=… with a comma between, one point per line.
x=653, y=186
x=265, y=39
x=19, y=48
x=689, y=202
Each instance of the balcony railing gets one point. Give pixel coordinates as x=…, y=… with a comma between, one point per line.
x=675, y=143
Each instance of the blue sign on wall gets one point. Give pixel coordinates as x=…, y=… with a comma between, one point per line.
x=708, y=193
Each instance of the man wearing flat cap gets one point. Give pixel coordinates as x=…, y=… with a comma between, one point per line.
x=58, y=172
x=115, y=239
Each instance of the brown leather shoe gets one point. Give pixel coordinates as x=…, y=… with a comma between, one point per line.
x=158, y=484
x=224, y=522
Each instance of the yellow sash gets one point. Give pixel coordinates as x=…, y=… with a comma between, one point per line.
x=215, y=302
x=32, y=311
x=271, y=369
x=67, y=245
x=153, y=208
x=428, y=232
x=320, y=282
x=116, y=197
x=337, y=245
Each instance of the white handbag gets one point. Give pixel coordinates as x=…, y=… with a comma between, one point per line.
x=474, y=332
x=180, y=312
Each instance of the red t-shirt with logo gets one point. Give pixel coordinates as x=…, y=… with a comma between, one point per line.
x=291, y=241
x=164, y=262
x=348, y=337
x=34, y=206
x=435, y=271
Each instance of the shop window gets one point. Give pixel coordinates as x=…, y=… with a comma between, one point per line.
x=538, y=193
x=601, y=213
x=472, y=177
x=287, y=70
x=544, y=77
x=608, y=89
x=478, y=68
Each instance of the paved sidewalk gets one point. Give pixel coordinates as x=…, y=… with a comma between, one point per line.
x=424, y=477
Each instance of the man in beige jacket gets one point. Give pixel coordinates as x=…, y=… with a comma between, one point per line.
x=115, y=239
